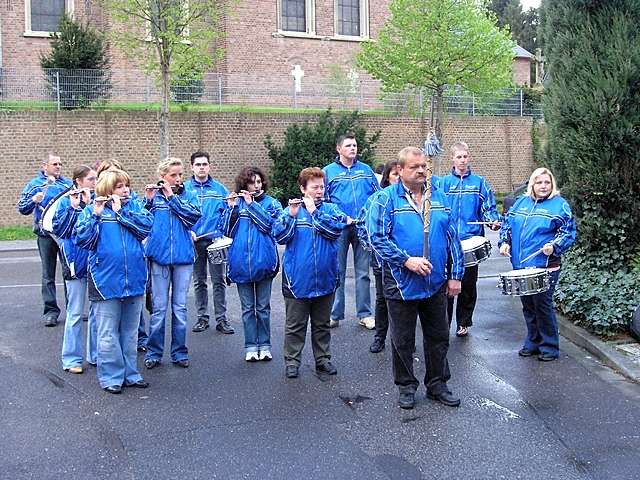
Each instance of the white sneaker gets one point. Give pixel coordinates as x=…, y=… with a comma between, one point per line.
x=265, y=356
x=251, y=357
x=368, y=322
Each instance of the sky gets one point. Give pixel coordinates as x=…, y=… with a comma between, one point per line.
x=527, y=4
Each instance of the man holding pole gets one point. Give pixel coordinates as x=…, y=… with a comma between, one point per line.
x=416, y=281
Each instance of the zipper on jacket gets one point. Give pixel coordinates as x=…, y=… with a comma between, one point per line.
x=170, y=237
x=535, y=203
x=126, y=269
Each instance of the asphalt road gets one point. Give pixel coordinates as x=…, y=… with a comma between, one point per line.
x=224, y=418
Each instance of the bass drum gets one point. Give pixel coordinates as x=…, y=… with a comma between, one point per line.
x=46, y=219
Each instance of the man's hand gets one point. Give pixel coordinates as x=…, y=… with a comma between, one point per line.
x=505, y=250
x=454, y=287
x=38, y=197
x=547, y=249
x=419, y=265
x=495, y=226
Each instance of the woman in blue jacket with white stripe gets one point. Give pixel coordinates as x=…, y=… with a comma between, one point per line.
x=74, y=270
x=310, y=229
x=112, y=228
x=538, y=229
x=171, y=254
x=253, y=257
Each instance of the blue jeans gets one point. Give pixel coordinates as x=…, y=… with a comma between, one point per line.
x=142, y=332
x=256, y=314
x=72, y=348
x=162, y=278
x=361, y=266
x=117, y=333
x=542, y=326
x=92, y=335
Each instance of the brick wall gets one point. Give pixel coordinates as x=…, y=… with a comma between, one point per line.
x=522, y=71
x=500, y=146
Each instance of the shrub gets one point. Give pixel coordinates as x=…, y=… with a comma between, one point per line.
x=313, y=145
x=77, y=67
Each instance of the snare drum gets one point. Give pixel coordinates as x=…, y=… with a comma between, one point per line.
x=526, y=281
x=218, y=250
x=476, y=250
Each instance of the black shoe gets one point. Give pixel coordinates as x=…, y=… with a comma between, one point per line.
x=151, y=363
x=200, y=326
x=115, y=389
x=224, y=327
x=142, y=348
x=182, y=363
x=547, y=357
x=377, y=346
x=138, y=384
x=291, y=371
x=525, y=352
x=50, y=321
x=326, y=368
x=446, y=398
x=407, y=400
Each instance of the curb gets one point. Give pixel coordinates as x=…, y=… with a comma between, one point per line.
x=603, y=351
x=11, y=246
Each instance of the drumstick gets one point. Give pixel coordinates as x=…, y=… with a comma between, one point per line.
x=532, y=255
x=483, y=223
x=427, y=216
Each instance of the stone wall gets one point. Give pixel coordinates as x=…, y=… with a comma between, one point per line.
x=500, y=146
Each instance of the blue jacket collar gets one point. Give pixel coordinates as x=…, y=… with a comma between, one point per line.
x=337, y=160
x=198, y=182
x=455, y=174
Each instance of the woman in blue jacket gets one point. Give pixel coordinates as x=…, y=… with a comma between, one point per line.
x=310, y=229
x=171, y=254
x=74, y=270
x=538, y=229
x=112, y=228
x=253, y=257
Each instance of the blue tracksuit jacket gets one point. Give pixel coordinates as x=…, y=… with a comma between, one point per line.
x=396, y=233
x=210, y=195
x=310, y=260
x=36, y=185
x=530, y=224
x=349, y=187
x=471, y=200
x=253, y=255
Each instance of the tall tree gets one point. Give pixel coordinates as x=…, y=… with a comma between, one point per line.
x=172, y=38
x=432, y=44
x=592, y=110
x=523, y=25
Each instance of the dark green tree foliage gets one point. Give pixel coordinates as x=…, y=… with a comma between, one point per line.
x=523, y=25
x=592, y=109
x=313, y=145
x=78, y=64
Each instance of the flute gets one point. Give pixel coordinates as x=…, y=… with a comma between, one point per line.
x=174, y=188
x=236, y=195
x=110, y=199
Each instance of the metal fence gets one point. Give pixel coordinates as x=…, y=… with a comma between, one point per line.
x=67, y=89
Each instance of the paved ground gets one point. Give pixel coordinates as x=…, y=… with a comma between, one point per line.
x=224, y=418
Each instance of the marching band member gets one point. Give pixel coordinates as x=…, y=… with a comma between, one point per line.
x=74, y=270
x=349, y=183
x=414, y=285
x=538, y=229
x=471, y=200
x=253, y=257
x=171, y=253
x=210, y=194
x=389, y=177
x=112, y=228
x=35, y=196
x=310, y=229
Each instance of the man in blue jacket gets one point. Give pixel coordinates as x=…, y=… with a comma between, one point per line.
x=210, y=194
x=35, y=197
x=471, y=200
x=349, y=182
x=310, y=229
x=416, y=283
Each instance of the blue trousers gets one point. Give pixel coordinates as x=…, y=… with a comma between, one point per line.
x=72, y=348
x=164, y=278
x=117, y=335
x=542, y=325
x=361, y=266
x=255, y=300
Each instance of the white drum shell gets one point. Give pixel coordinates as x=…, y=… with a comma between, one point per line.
x=476, y=250
x=218, y=251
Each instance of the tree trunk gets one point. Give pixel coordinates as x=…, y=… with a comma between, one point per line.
x=439, y=124
x=164, y=112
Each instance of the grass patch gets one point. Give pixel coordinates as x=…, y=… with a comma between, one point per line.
x=17, y=232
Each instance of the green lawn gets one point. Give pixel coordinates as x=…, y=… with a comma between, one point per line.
x=16, y=232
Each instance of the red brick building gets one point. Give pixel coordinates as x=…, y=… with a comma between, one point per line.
x=264, y=38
